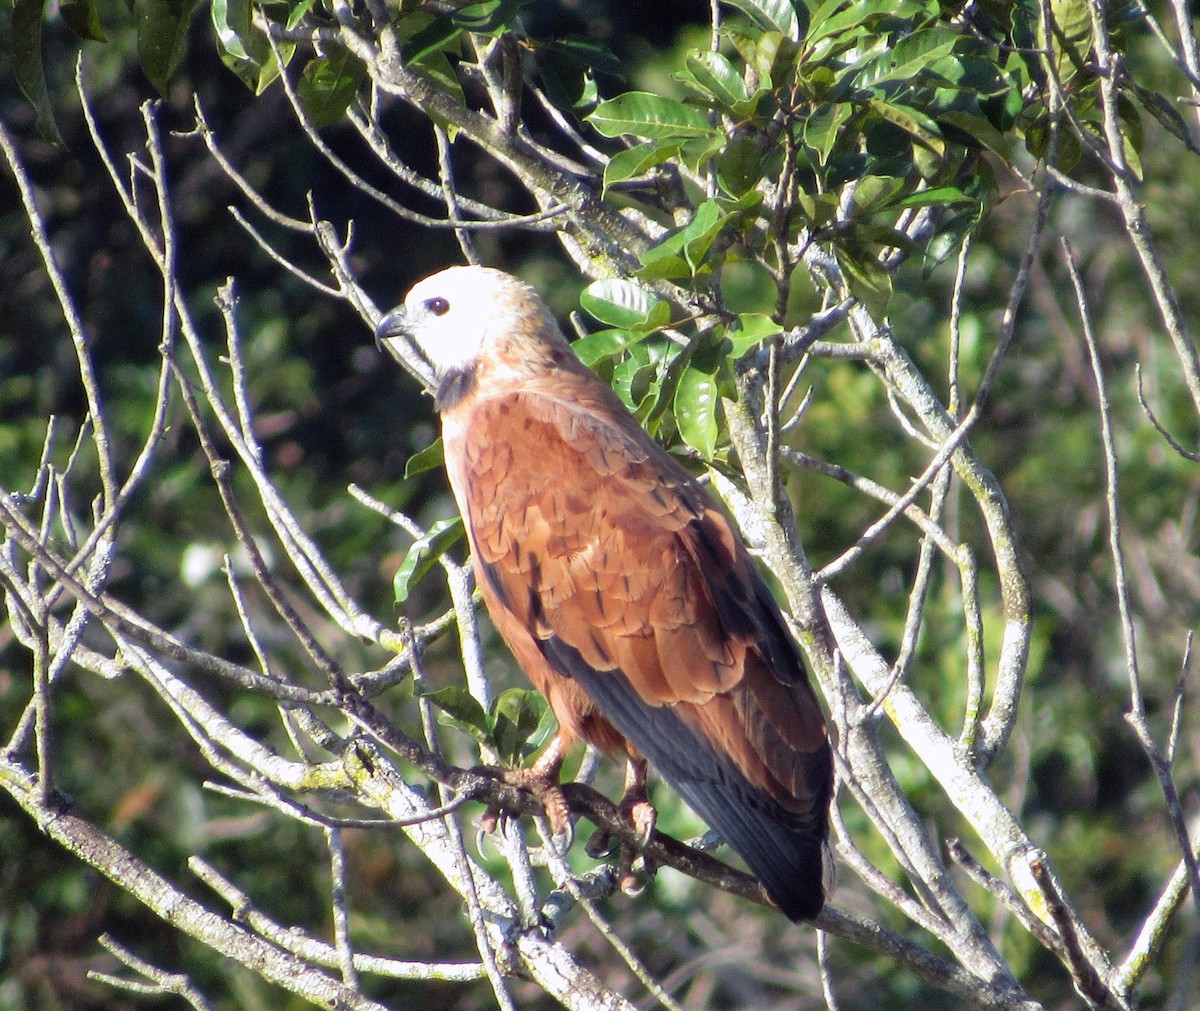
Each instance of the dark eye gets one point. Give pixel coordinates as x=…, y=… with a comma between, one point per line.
x=438, y=306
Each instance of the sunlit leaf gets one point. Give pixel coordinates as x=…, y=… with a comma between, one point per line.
x=1070, y=29
x=833, y=18
x=424, y=554
x=771, y=15
x=935, y=196
x=696, y=400
x=296, y=9
x=618, y=302
x=907, y=58
x=460, y=709
x=596, y=347
x=491, y=17
x=425, y=460
x=432, y=38
x=948, y=240
x=824, y=127
x=243, y=47
x=874, y=192
x=520, y=722
x=692, y=242
x=634, y=378
x=716, y=77
x=912, y=121
x=752, y=329
x=641, y=114
x=639, y=159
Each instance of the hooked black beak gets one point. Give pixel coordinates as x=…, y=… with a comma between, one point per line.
x=391, y=325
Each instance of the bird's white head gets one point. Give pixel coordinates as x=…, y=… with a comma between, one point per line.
x=456, y=316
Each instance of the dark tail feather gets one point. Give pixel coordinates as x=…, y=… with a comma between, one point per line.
x=783, y=848
x=787, y=860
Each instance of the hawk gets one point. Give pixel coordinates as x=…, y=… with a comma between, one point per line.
x=622, y=590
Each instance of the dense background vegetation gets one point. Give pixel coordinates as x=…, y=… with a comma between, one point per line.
x=819, y=248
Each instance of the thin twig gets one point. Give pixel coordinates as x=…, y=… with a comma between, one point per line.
x=450, y=195
x=340, y=903
x=1112, y=497
x=1133, y=209
x=1007, y=898
x=158, y=983
x=826, y=971
x=1088, y=983
x=317, y=952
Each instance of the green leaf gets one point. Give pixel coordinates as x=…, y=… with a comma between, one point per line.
x=460, y=709
x=692, y=242
x=603, y=344
x=296, y=9
x=713, y=74
x=696, y=400
x=665, y=268
x=619, y=303
x=753, y=328
x=83, y=18
x=425, y=43
x=231, y=21
x=568, y=66
x=520, y=720
x=1166, y=114
x=868, y=281
x=739, y=166
x=979, y=129
x=907, y=58
x=424, y=554
x=244, y=49
x=634, y=379
x=491, y=17
x=162, y=38
x=432, y=38
x=585, y=51
x=823, y=128
x=545, y=728
x=637, y=160
x=641, y=114
x=771, y=15
x=940, y=196
x=1070, y=26
x=834, y=18
x=974, y=74
x=875, y=192
x=948, y=240
x=699, y=151
x=773, y=57
x=912, y=121
x=28, y=67
x=427, y=459
x=820, y=208
x=329, y=84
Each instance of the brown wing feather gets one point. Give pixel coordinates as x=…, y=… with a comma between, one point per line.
x=630, y=603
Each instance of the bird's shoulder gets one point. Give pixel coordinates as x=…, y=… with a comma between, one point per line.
x=565, y=452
